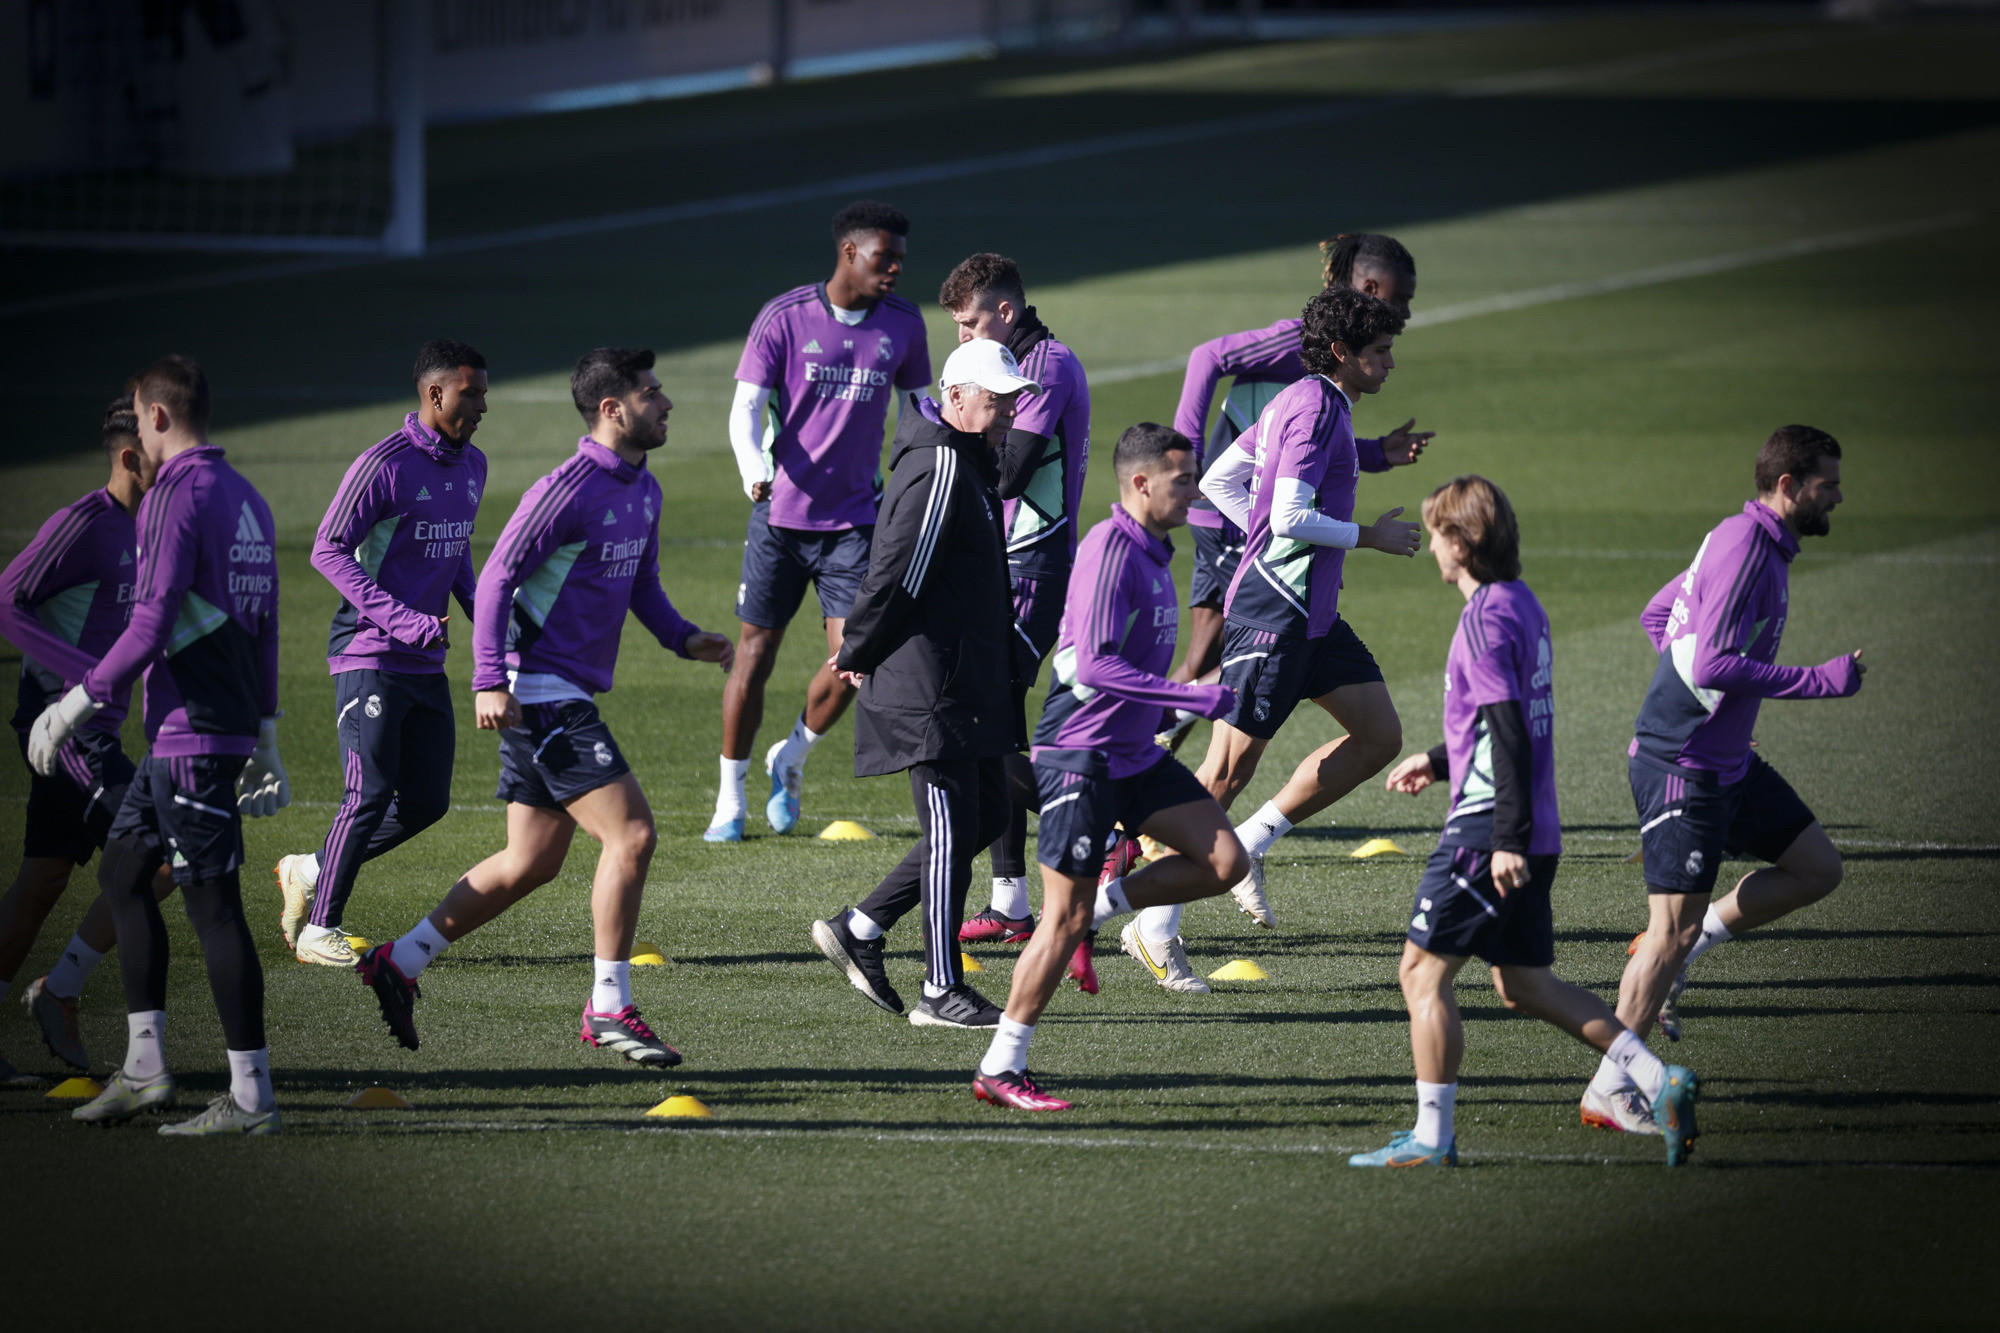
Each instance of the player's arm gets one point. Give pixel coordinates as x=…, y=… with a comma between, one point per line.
x=265, y=788
x=656, y=612
x=1272, y=352
x=1658, y=617
x=1104, y=601
x=525, y=545
x=1491, y=686
x=31, y=578
x=359, y=504
x=1298, y=470
x=1399, y=448
x=1036, y=420
x=746, y=439
x=1421, y=770
x=1227, y=483
x=1724, y=634
x=916, y=516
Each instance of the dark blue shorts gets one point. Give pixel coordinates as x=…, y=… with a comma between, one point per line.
x=184, y=811
x=1272, y=675
x=1460, y=914
x=779, y=562
x=1689, y=823
x=1038, y=610
x=1080, y=813
x=1217, y=553
x=559, y=752
x=70, y=813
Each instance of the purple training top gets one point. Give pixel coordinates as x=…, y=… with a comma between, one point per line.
x=1717, y=627
x=1117, y=644
x=64, y=600
x=582, y=548
x=1500, y=651
x=1042, y=524
x=397, y=543
x=204, y=624
x=831, y=384
x=1285, y=585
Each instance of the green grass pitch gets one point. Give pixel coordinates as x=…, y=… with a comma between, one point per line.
x=1843, y=182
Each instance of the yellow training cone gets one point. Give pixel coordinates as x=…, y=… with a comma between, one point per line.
x=645, y=953
x=844, y=830
x=377, y=1098
x=75, y=1090
x=360, y=943
x=683, y=1106
x=1637, y=858
x=1240, y=969
x=1377, y=847
x=969, y=963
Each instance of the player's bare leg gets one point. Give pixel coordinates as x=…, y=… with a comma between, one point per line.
x=51, y=999
x=1230, y=763
x=1675, y=921
x=619, y=817
x=1374, y=738
x=742, y=715
x=827, y=697
x=27, y=904
x=1808, y=871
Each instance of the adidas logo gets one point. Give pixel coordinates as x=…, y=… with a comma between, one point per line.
x=813, y=346
x=425, y=947
x=146, y=1032
x=609, y=518
x=423, y=492
x=124, y=557
x=246, y=526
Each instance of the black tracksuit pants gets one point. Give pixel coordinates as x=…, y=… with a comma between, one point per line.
x=962, y=806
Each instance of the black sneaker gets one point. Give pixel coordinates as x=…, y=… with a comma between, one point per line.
x=627, y=1034
x=959, y=1007
x=396, y=993
x=860, y=959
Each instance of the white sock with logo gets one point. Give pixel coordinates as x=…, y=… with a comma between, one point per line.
x=250, y=1079
x=1111, y=903
x=862, y=926
x=1010, y=896
x=1644, y=1070
x=310, y=933
x=729, y=802
x=66, y=978
x=1263, y=829
x=1435, y=1102
x=1713, y=932
x=308, y=869
x=1159, y=925
x=418, y=949
x=612, y=988
x=145, y=1045
x=799, y=744
x=1610, y=1077
x=1008, y=1053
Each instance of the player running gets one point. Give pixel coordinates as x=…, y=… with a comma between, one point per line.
x=64, y=600
x=1486, y=889
x=397, y=545
x=1701, y=794
x=204, y=630
x=582, y=548
x=1262, y=362
x=825, y=358
x=1042, y=466
x=1094, y=754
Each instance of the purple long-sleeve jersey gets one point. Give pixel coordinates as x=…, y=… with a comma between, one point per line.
x=1042, y=522
x=65, y=599
x=1261, y=361
x=1717, y=627
x=1109, y=682
x=204, y=624
x=1283, y=584
x=582, y=548
x=396, y=543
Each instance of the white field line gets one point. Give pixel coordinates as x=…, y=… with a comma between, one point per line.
x=1884, y=558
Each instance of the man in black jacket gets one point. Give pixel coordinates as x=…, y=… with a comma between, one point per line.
x=930, y=643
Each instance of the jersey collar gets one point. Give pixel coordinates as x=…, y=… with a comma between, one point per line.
x=1775, y=528
x=608, y=460
x=1161, y=549
x=432, y=443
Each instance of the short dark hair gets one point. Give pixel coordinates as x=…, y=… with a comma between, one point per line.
x=1792, y=451
x=1476, y=512
x=1350, y=250
x=176, y=383
x=1342, y=315
x=606, y=372
x=1143, y=447
x=441, y=356
x=979, y=274
x=867, y=215
x=121, y=425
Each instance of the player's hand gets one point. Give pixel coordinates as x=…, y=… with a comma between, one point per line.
x=53, y=729
x=1510, y=871
x=1403, y=446
x=496, y=710
x=263, y=790
x=1860, y=667
x=430, y=632
x=853, y=678
x=1413, y=774
x=1391, y=535
x=708, y=646
x=760, y=491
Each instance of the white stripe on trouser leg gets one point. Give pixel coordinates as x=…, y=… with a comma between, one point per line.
x=939, y=872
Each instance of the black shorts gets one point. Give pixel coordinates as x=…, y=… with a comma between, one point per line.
x=184, y=811
x=1217, y=553
x=779, y=562
x=1080, y=812
x=1689, y=823
x=559, y=752
x=70, y=812
x=1272, y=675
x=1460, y=914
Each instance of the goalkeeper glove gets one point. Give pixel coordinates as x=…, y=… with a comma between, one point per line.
x=53, y=729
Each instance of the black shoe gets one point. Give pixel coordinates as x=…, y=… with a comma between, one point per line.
x=959, y=1007
x=860, y=959
x=395, y=992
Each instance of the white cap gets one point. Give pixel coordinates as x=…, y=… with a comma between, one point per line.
x=988, y=364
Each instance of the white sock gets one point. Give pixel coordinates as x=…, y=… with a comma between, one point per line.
x=1008, y=1053
x=66, y=978
x=864, y=927
x=1713, y=932
x=1435, y=1102
x=932, y=992
x=1111, y=903
x=418, y=949
x=1262, y=829
x=1159, y=925
x=612, y=989
x=1610, y=1077
x=308, y=868
x=729, y=802
x=145, y=1045
x=1010, y=896
x=309, y=933
x=250, y=1079
x=800, y=743
x=1640, y=1066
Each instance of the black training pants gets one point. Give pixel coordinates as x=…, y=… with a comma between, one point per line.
x=962, y=806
